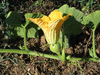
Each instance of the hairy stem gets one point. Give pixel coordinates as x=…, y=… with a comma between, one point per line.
x=25, y=45
x=28, y=52
x=93, y=44
x=63, y=48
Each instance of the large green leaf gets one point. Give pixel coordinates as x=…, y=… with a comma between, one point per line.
x=92, y=18
x=17, y=29
x=32, y=31
x=85, y=20
x=32, y=15
x=64, y=8
x=72, y=26
x=13, y=19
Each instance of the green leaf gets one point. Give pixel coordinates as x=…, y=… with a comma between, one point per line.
x=93, y=18
x=63, y=8
x=32, y=31
x=32, y=15
x=13, y=19
x=20, y=31
x=17, y=29
x=85, y=20
x=72, y=26
x=28, y=15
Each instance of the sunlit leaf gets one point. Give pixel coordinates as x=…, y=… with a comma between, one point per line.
x=64, y=8
x=92, y=18
x=72, y=26
x=31, y=32
x=32, y=15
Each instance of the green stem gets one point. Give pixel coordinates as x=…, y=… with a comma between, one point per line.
x=63, y=53
x=84, y=59
x=28, y=52
x=59, y=55
x=93, y=44
x=25, y=45
x=63, y=48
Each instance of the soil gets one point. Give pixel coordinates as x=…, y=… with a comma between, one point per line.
x=21, y=64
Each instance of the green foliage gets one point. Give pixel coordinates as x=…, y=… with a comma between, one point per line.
x=3, y=13
x=92, y=20
x=86, y=6
x=31, y=15
x=13, y=19
x=17, y=5
x=17, y=28
x=3, y=8
x=40, y=2
x=72, y=26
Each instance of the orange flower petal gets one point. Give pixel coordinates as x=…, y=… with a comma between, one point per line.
x=55, y=15
x=46, y=18
x=42, y=24
x=51, y=25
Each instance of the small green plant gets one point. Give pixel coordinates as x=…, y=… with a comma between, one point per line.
x=51, y=25
x=3, y=9
x=90, y=6
x=92, y=21
x=39, y=3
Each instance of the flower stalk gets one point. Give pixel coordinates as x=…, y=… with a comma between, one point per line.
x=56, y=49
x=25, y=44
x=93, y=44
x=63, y=48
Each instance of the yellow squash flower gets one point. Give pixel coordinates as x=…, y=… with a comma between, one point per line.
x=51, y=25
